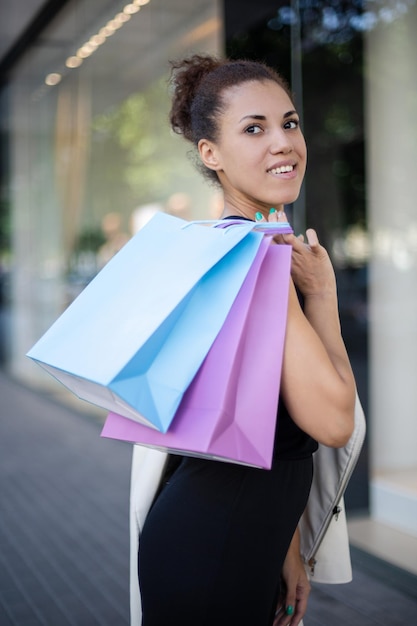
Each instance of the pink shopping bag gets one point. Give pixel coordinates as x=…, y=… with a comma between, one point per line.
x=229, y=412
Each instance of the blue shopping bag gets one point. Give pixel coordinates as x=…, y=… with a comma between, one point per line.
x=135, y=337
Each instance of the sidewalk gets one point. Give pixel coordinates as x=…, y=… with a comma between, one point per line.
x=63, y=516
x=64, y=529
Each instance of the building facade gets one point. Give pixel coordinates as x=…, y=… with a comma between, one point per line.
x=87, y=157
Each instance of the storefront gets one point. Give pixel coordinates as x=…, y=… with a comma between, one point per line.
x=87, y=157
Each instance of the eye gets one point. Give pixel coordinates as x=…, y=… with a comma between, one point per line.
x=292, y=124
x=253, y=129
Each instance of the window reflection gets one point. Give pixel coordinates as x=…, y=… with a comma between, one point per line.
x=92, y=148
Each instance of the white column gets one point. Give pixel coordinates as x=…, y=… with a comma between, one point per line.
x=391, y=139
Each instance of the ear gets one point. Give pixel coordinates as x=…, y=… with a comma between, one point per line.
x=209, y=154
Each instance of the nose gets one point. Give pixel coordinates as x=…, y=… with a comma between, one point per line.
x=280, y=142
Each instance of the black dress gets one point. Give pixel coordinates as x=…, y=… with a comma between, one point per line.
x=213, y=544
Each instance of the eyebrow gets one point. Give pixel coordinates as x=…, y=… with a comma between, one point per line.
x=254, y=116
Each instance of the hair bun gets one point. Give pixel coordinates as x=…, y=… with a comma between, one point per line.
x=186, y=77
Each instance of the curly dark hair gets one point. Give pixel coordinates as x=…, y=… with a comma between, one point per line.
x=199, y=83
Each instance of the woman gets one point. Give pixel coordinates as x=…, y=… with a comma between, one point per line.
x=220, y=544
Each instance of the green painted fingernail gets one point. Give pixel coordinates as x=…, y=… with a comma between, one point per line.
x=272, y=210
x=258, y=216
x=289, y=610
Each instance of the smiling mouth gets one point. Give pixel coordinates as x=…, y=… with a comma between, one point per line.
x=284, y=169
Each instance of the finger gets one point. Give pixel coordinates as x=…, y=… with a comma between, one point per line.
x=312, y=238
x=300, y=607
x=278, y=616
x=283, y=620
x=273, y=215
x=280, y=217
x=298, y=616
x=259, y=217
x=290, y=603
x=289, y=608
x=285, y=615
x=296, y=242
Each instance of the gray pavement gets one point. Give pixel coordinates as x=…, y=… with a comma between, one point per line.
x=63, y=515
x=64, y=529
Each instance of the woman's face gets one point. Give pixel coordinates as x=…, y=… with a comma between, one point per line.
x=261, y=155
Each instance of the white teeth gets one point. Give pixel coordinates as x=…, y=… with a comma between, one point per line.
x=282, y=169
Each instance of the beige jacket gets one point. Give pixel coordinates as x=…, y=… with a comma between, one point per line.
x=323, y=529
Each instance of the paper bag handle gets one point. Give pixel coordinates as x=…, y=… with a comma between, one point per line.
x=272, y=228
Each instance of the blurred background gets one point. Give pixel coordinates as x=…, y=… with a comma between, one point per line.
x=87, y=157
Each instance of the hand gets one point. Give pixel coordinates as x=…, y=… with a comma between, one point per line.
x=311, y=268
x=292, y=605
x=295, y=589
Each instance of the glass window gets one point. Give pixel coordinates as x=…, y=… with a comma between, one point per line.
x=92, y=153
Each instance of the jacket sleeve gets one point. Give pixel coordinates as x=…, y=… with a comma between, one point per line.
x=323, y=527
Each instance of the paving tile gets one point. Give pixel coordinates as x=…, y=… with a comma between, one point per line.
x=5, y=619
